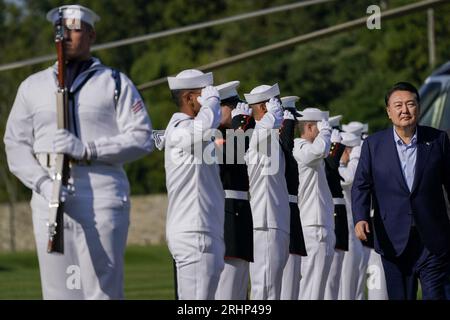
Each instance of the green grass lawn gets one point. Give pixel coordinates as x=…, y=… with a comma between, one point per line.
x=148, y=274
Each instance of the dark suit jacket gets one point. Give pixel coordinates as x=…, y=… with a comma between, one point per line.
x=379, y=174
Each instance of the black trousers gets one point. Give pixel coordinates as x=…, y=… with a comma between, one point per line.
x=416, y=263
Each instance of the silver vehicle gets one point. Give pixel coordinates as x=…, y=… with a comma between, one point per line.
x=435, y=105
x=435, y=99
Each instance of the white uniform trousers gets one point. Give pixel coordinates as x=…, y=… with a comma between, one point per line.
x=199, y=261
x=334, y=277
x=233, y=283
x=351, y=268
x=271, y=251
x=95, y=235
x=320, y=242
x=291, y=278
x=362, y=273
x=376, y=281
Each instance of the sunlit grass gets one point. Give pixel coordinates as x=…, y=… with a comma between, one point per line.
x=148, y=274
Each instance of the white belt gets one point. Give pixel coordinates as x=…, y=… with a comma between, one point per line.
x=235, y=194
x=293, y=199
x=339, y=201
x=46, y=160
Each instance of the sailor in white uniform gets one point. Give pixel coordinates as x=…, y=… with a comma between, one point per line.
x=315, y=202
x=238, y=228
x=292, y=271
x=195, y=213
x=376, y=280
x=269, y=198
x=108, y=126
x=353, y=258
x=340, y=213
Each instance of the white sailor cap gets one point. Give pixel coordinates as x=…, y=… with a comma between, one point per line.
x=289, y=103
x=190, y=79
x=350, y=139
x=365, y=128
x=228, y=90
x=313, y=114
x=355, y=127
x=76, y=12
x=262, y=93
x=335, y=121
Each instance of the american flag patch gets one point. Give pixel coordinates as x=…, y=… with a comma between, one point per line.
x=138, y=106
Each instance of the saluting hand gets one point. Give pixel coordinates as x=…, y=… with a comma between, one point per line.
x=336, y=136
x=288, y=115
x=274, y=108
x=209, y=98
x=324, y=125
x=362, y=229
x=241, y=108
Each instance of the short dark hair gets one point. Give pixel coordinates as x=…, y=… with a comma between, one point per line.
x=231, y=101
x=401, y=86
x=176, y=96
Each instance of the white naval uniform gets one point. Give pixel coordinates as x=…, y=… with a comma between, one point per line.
x=334, y=277
x=316, y=207
x=233, y=283
x=291, y=278
x=362, y=270
x=269, y=201
x=97, y=215
x=195, y=214
x=353, y=258
x=376, y=280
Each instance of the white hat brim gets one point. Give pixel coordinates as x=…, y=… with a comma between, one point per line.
x=73, y=12
x=253, y=98
x=199, y=81
x=335, y=120
x=314, y=115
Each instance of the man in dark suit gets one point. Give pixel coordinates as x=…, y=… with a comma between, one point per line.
x=404, y=168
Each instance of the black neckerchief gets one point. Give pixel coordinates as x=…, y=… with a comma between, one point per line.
x=75, y=68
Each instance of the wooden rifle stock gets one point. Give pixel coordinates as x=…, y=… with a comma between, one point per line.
x=62, y=169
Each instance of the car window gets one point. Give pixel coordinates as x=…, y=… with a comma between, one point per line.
x=445, y=123
x=430, y=103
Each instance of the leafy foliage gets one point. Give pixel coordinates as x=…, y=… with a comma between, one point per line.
x=347, y=73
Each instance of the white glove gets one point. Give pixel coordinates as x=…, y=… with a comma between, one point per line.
x=46, y=191
x=287, y=115
x=274, y=108
x=209, y=98
x=241, y=108
x=336, y=136
x=65, y=142
x=355, y=153
x=323, y=125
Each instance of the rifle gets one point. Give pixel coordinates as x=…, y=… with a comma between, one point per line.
x=61, y=175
